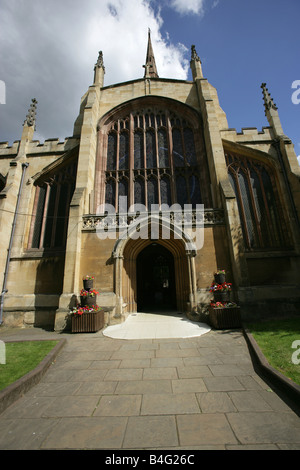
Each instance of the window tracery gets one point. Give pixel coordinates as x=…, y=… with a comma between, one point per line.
x=262, y=220
x=51, y=209
x=152, y=158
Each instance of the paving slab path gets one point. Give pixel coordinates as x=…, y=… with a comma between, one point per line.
x=165, y=393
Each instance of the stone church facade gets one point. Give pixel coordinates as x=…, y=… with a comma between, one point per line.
x=98, y=202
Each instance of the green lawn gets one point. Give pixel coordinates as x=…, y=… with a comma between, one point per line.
x=21, y=358
x=275, y=339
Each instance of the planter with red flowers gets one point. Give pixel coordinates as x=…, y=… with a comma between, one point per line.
x=223, y=313
x=221, y=291
x=87, y=317
x=88, y=297
x=88, y=282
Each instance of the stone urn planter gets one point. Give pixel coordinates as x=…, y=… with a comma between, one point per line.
x=222, y=296
x=88, y=300
x=88, y=284
x=219, y=278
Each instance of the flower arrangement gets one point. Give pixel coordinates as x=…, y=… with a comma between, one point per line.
x=88, y=278
x=90, y=293
x=222, y=304
x=220, y=271
x=224, y=287
x=79, y=310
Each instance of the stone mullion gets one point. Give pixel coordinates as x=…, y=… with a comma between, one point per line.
x=157, y=162
x=66, y=213
x=131, y=161
x=145, y=162
x=254, y=208
x=274, y=232
x=44, y=219
x=234, y=174
x=117, y=168
x=170, y=138
x=57, y=196
x=32, y=223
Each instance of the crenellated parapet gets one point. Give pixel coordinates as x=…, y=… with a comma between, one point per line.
x=37, y=149
x=247, y=134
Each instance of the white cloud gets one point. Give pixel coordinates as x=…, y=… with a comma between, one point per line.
x=188, y=6
x=49, y=48
x=298, y=158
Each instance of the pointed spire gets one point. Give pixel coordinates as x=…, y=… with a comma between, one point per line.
x=195, y=64
x=271, y=112
x=30, y=118
x=150, y=66
x=99, y=70
x=268, y=101
x=100, y=63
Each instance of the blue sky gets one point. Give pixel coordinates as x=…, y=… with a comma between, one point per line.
x=48, y=49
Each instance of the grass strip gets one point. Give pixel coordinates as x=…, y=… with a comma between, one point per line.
x=21, y=358
x=275, y=339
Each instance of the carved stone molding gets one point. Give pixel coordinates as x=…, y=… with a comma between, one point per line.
x=208, y=217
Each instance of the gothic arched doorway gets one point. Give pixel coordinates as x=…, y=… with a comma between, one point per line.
x=156, y=289
x=179, y=256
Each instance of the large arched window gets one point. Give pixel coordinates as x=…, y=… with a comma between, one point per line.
x=259, y=206
x=51, y=208
x=152, y=155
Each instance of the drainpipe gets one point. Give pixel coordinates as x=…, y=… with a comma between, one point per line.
x=4, y=290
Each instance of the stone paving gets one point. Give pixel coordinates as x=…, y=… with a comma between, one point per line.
x=164, y=394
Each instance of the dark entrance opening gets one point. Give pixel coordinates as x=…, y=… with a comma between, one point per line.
x=155, y=279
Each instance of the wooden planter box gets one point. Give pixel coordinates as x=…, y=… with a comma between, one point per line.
x=87, y=322
x=224, y=318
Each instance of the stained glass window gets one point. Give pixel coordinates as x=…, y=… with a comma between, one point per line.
x=195, y=193
x=178, y=157
x=124, y=151
x=144, y=151
x=150, y=149
x=152, y=193
x=163, y=151
x=139, y=149
x=182, y=197
x=39, y=217
x=248, y=209
x=112, y=151
x=139, y=191
x=52, y=204
x=189, y=144
x=110, y=194
x=257, y=204
x=123, y=192
x=165, y=191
